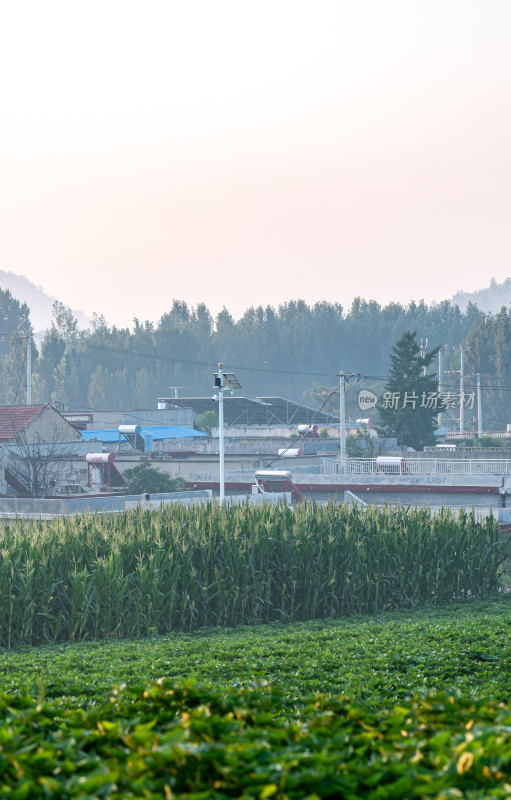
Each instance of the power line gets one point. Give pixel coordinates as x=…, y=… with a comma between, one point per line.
x=318, y=411
x=177, y=360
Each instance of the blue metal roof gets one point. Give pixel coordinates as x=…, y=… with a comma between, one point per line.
x=158, y=432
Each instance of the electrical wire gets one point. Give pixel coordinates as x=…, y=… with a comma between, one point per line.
x=177, y=360
x=311, y=423
x=195, y=362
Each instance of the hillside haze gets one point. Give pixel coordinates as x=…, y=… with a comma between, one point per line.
x=489, y=300
x=39, y=303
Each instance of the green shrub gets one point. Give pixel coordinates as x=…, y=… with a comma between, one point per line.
x=206, y=421
x=144, y=478
x=172, y=740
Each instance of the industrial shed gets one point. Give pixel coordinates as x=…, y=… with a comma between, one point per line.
x=261, y=411
x=159, y=433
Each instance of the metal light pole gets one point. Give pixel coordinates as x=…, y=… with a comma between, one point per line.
x=221, y=430
x=224, y=382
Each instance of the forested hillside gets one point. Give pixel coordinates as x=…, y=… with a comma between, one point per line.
x=274, y=351
x=490, y=299
x=293, y=351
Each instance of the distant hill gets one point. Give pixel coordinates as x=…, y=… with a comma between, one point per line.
x=490, y=299
x=39, y=303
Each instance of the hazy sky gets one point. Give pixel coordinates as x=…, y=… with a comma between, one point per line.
x=244, y=153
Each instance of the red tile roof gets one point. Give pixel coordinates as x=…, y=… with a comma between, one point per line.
x=14, y=420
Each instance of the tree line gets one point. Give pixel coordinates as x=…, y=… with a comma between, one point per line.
x=284, y=351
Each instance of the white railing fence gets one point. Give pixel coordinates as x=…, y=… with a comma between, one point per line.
x=417, y=466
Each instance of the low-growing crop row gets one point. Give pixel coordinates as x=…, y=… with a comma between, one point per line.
x=243, y=712
x=170, y=740
x=184, y=568
x=382, y=659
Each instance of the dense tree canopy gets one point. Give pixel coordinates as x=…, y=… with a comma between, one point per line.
x=284, y=351
x=14, y=326
x=488, y=352
x=14, y=319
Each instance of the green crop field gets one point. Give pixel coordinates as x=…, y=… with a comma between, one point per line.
x=407, y=704
x=322, y=702
x=184, y=568
x=463, y=649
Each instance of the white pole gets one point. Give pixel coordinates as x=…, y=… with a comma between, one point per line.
x=424, y=350
x=462, y=393
x=440, y=383
x=342, y=416
x=479, y=410
x=29, y=370
x=221, y=431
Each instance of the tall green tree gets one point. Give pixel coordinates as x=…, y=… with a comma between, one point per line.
x=14, y=319
x=409, y=411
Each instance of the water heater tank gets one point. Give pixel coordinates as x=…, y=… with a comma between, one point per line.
x=132, y=430
x=100, y=458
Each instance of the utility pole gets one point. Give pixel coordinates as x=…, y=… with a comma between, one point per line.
x=462, y=392
x=440, y=387
x=29, y=370
x=342, y=417
x=423, y=351
x=479, y=410
x=28, y=337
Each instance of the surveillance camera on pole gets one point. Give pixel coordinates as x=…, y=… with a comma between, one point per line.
x=225, y=382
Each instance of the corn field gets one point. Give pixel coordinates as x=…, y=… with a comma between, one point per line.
x=187, y=567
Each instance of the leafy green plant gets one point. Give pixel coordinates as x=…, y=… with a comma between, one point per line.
x=186, y=567
x=144, y=478
x=207, y=421
x=323, y=432
x=181, y=740
x=380, y=659
x=385, y=706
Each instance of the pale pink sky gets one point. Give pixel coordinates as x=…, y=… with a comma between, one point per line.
x=239, y=153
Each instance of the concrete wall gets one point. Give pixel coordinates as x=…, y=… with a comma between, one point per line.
x=305, y=475
x=35, y=508
x=243, y=447
x=170, y=416
x=263, y=431
x=186, y=468
x=471, y=453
